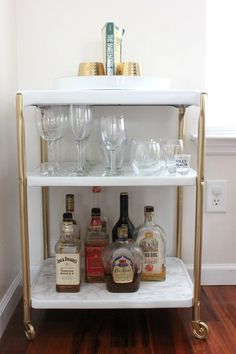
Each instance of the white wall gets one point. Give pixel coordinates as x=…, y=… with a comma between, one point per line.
x=9, y=211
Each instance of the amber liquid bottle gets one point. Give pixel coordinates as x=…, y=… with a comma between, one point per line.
x=67, y=251
x=124, y=218
x=95, y=241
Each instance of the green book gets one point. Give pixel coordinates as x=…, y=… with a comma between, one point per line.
x=112, y=47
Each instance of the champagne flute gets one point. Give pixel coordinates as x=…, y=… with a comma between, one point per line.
x=51, y=122
x=113, y=136
x=81, y=125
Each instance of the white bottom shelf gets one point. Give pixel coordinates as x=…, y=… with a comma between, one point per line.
x=175, y=291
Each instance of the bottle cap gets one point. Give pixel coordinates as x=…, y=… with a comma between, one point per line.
x=96, y=211
x=67, y=217
x=96, y=189
x=123, y=193
x=70, y=202
x=148, y=209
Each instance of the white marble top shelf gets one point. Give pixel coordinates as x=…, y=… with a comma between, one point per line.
x=175, y=291
x=127, y=178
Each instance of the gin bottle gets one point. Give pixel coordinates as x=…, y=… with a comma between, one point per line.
x=152, y=239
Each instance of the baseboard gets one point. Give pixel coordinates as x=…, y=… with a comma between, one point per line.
x=9, y=302
x=216, y=274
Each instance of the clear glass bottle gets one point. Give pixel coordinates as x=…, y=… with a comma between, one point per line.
x=95, y=241
x=67, y=251
x=122, y=262
x=124, y=218
x=70, y=208
x=152, y=239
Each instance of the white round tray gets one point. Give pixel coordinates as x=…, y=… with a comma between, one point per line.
x=112, y=83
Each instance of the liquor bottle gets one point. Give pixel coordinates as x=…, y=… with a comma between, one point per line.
x=70, y=208
x=97, y=203
x=67, y=251
x=122, y=262
x=152, y=239
x=95, y=241
x=124, y=218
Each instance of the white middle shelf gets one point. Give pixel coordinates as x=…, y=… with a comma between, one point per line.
x=127, y=178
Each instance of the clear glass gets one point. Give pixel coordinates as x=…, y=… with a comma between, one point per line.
x=113, y=136
x=152, y=240
x=120, y=153
x=182, y=162
x=51, y=122
x=170, y=148
x=145, y=156
x=81, y=124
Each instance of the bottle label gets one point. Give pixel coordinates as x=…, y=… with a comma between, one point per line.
x=153, y=252
x=122, y=270
x=67, y=269
x=93, y=261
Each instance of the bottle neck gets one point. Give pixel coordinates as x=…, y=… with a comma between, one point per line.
x=67, y=231
x=96, y=223
x=149, y=218
x=124, y=206
x=96, y=197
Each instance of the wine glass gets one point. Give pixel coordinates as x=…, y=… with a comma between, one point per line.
x=81, y=125
x=113, y=136
x=51, y=122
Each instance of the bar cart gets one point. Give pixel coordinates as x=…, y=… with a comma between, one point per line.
x=178, y=290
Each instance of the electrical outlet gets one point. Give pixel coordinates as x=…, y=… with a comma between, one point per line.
x=215, y=196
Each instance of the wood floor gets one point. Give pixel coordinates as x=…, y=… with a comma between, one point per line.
x=152, y=331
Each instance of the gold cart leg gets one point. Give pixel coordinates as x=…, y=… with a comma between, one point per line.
x=45, y=204
x=180, y=191
x=200, y=329
x=29, y=329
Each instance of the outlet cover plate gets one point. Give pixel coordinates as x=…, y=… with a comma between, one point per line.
x=215, y=196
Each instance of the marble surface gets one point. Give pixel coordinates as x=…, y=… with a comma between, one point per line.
x=176, y=291
x=95, y=176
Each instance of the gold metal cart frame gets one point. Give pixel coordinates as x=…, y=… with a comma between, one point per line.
x=200, y=329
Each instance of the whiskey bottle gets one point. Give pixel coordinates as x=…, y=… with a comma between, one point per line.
x=70, y=208
x=124, y=218
x=97, y=203
x=95, y=241
x=122, y=262
x=67, y=251
x=152, y=239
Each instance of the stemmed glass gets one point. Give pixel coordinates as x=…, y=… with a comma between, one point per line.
x=113, y=136
x=51, y=122
x=81, y=125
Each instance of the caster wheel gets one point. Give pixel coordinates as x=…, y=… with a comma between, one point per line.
x=200, y=329
x=29, y=331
